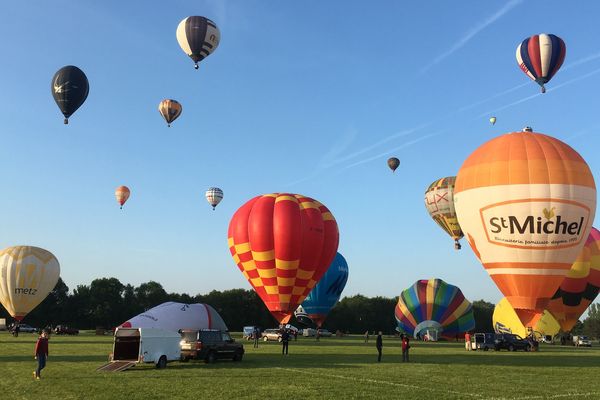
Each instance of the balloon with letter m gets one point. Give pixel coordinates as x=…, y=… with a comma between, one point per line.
x=283, y=243
x=526, y=202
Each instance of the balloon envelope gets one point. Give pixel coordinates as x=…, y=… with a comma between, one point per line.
x=283, y=243
x=439, y=201
x=70, y=88
x=198, y=37
x=27, y=275
x=214, y=195
x=526, y=202
x=172, y=316
x=579, y=289
x=393, y=163
x=325, y=295
x=493, y=120
x=434, y=304
x=170, y=110
x=506, y=320
x=541, y=56
x=122, y=194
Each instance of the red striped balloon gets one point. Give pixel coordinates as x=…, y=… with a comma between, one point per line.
x=283, y=243
x=541, y=56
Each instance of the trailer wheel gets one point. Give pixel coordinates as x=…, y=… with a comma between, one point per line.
x=211, y=358
x=162, y=362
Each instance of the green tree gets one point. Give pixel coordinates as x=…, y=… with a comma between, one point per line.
x=482, y=313
x=150, y=294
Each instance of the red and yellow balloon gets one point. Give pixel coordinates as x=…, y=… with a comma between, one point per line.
x=526, y=203
x=283, y=243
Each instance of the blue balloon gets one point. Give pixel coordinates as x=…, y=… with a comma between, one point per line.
x=327, y=291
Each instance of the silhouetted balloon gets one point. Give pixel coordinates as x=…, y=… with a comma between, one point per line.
x=393, y=163
x=70, y=88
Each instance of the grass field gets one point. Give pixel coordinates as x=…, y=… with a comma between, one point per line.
x=334, y=368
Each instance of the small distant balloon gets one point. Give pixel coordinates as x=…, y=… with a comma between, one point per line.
x=170, y=110
x=541, y=56
x=198, y=37
x=393, y=163
x=493, y=120
x=214, y=195
x=70, y=88
x=122, y=194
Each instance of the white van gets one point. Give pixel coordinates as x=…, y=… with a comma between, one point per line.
x=143, y=345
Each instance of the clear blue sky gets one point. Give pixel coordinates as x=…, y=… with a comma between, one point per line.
x=309, y=97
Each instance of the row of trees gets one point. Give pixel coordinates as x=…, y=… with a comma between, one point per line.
x=107, y=303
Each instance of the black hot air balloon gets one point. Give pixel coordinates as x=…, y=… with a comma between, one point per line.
x=393, y=163
x=70, y=88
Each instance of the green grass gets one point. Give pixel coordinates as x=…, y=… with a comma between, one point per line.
x=334, y=368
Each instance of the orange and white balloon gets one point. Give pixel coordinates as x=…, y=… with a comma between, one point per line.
x=27, y=275
x=122, y=194
x=526, y=203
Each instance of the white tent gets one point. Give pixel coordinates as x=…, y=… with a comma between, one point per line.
x=173, y=316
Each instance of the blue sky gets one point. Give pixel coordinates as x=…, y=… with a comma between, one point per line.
x=307, y=97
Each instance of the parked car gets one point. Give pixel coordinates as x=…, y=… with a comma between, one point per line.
x=309, y=332
x=209, y=345
x=511, y=342
x=325, y=333
x=483, y=341
x=65, y=330
x=24, y=328
x=248, y=331
x=271, y=334
x=582, y=341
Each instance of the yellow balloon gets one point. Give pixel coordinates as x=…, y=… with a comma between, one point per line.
x=493, y=120
x=506, y=320
x=27, y=275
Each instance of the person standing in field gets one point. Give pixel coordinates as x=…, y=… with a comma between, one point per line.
x=255, y=334
x=285, y=338
x=405, y=347
x=468, y=341
x=41, y=354
x=379, y=346
x=366, y=336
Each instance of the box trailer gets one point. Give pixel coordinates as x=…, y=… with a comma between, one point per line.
x=132, y=346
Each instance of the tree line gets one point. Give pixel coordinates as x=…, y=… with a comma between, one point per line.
x=107, y=303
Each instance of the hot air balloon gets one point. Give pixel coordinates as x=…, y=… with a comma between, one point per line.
x=327, y=292
x=493, y=120
x=506, y=320
x=526, y=202
x=435, y=306
x=214, y=195
x=439, y=201
x=122, y=194
x=393, y=163
x=27, y=275
x=198, y=37
x=283, y=243
x=172, y=316
x=540, y=57
x=70, y=88
x=579, y=288
x=170, y=110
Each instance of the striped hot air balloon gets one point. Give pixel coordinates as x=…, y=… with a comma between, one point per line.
x=214, y=195
x=541, y=56
x=283, y=243
x=434, y=305
x=122, y=194
x=170, y=110
x=439, y=201
x=580, y=287
x=198, y=37
x=526, y=202
x=27, y=275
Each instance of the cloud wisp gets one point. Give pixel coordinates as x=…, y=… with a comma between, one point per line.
x=472, y=33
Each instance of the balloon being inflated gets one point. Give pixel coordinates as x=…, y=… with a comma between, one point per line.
x=526, y=202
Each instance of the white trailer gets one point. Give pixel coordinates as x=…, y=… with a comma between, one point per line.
x=143, y=345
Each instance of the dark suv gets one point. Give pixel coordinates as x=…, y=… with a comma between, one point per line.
x=209, y=345
x=511, y=342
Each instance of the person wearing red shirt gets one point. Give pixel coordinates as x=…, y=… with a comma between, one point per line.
x=405, y=347
x=41, y=354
